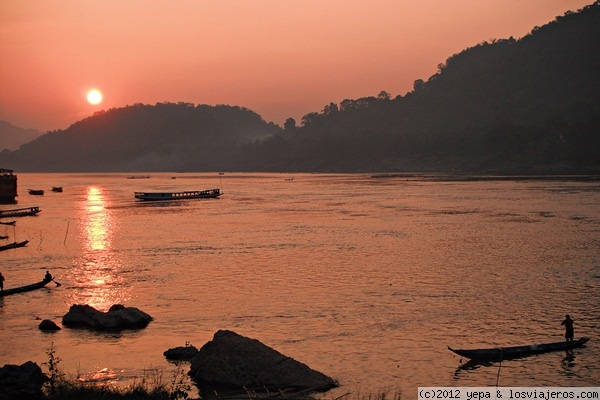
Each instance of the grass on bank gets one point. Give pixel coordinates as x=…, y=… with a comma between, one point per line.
x=152, y=387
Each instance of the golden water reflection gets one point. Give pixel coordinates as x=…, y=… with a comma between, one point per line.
x=98, y=270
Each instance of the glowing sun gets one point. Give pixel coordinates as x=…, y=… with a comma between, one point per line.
x=94, y=96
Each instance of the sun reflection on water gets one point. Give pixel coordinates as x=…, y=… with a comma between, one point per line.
x=98, y=270
x=98, y=223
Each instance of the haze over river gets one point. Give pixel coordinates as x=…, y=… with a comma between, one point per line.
x=365, y=279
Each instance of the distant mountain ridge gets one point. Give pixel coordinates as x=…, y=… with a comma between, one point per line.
x=507, y=106
x=11, y=137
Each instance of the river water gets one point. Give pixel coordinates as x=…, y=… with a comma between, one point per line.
x=365, y=279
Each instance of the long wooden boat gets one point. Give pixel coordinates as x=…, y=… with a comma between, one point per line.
x=504, y=353
x=36, y=192
x=13, y=245
x=57, y=189
x=19, y=212
x=26, y=288
x=169, y=196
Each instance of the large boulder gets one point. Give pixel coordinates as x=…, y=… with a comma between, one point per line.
x=236, y=361
x=117, y=318
x=22, y=382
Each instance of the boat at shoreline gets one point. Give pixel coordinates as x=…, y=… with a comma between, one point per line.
x=169, y=196
x=19, y=212
x=14, y=245
x=505, y=353
x=8, y=186
x=26, y=288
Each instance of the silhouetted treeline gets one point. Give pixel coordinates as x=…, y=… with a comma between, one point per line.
x=163, y=137
x=506, y=106
x=529, y=105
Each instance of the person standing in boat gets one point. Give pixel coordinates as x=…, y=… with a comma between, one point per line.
x=1, y=282
x=47, y=277
x=569, y=331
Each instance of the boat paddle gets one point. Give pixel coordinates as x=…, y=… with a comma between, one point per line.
x=56, y=283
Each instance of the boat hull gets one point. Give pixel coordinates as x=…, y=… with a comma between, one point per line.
x=504, y=353
x=170, y=196
x=19, y=212
x=14, y=245
x=22, y=289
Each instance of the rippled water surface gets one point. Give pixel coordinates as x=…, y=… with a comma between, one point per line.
x=367, y=280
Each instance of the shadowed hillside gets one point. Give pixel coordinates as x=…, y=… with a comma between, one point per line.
x=163, y=137
x=11, y=137
x=529, y=105
x=507, y=106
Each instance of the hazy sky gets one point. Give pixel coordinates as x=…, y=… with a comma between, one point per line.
x=280, y=58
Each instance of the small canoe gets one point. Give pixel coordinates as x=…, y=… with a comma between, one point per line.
x=26, y=288
x=14, y=245
x=504, y=353
x=36, y=192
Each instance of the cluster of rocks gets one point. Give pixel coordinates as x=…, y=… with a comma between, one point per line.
x=25, y=382
x=118, y=317
x=228, y=360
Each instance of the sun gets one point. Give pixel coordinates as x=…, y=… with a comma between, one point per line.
x=94, y=96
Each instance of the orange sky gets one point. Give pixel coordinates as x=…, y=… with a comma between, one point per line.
x=280, y=58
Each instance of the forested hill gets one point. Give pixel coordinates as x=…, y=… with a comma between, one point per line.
x=163, y=137
x=507, y=106
x=528, y=105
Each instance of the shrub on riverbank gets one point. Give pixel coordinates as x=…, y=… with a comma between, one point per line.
x=151, y=387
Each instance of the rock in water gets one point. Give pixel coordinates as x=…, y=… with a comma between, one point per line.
x=181, y=353
x=117, y=318
x=47, y=325
x=234, y=360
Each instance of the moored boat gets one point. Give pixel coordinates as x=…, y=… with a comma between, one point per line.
x=26, y=288
x=504, y=353
x=57, y=188
x=8, y=186
x=19, y=212
x=14, y=245
x=36, y=192
x=166, y=196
